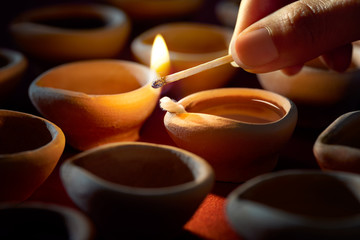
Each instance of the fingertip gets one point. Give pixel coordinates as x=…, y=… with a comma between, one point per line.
x=254, y=49
x=233, y=53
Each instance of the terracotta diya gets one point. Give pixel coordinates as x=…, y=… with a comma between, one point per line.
x=68, y=32
x=338, y=146
x=297, y=204
x=321, y=94
x=137, y=190
x=12, y=66
x=239, y=131
x=30, y=147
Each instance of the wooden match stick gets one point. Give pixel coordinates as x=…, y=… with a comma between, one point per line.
x=191, y=71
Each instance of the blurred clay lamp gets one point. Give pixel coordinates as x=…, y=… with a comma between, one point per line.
x=13, y=64
x=71, y=32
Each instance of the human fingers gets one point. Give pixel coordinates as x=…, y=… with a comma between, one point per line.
x=296, y=33
x=251, y=11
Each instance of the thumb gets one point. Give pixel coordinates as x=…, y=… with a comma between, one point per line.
x=297, y=33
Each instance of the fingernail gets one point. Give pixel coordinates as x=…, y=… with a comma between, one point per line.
x=255, y=48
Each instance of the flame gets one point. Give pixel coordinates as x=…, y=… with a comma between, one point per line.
x=160, y=59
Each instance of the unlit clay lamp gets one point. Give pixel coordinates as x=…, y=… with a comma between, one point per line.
x=338, y=146
x=189, y=45
x=315, y=84
x=96, y=101
x=70, y=32
x=297, y=204
x=137, y=190
x=159, y=9
x=12, y=66
x=30, y=147
x=239, y=131
x=43, y=221
x=320, y=94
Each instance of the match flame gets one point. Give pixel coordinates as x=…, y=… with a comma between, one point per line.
x=160, y=59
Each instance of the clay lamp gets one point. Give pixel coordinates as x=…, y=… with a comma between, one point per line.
x=189, y=45
x=68, y=32
x=96, y=101
x=137, y=190
x=239, y=131
x=321, y=94
x=35, y=220
x=338, y=146
x=297, y=204
x=12, y=67
x=30, y=148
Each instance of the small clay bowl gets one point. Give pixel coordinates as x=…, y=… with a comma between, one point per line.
x=12, y=67
x=160, y=9
x=96, y=101
x=320, y=94
x=338, y=146
x=189, y=45
x=30, y=147
x=37, y=220
x=138, y=190
x=69, y=32
x=314, y=84
x=297, y=204
x=239, y=131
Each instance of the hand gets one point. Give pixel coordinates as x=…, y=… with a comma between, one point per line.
x=284, y=34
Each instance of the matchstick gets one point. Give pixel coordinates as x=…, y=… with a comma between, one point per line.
x=191, y=71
